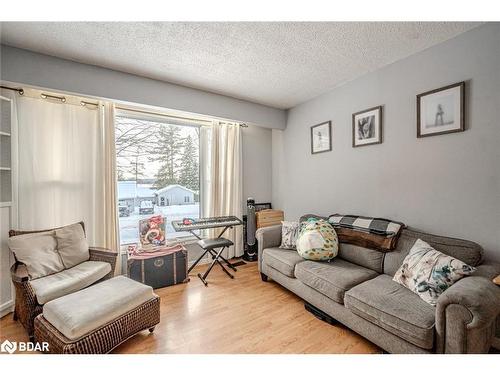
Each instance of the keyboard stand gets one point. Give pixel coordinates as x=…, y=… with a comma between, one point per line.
x=210, y=246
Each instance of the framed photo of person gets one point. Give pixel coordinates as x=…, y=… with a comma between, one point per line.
x=367, y=127
x=441, y=111
x=321, y=137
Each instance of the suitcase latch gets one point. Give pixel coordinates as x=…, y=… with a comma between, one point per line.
x=158, y=262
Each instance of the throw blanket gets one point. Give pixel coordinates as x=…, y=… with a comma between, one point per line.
x=382, y=227
x=372, y=233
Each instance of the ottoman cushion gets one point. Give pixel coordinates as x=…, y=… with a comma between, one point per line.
x=79, y=313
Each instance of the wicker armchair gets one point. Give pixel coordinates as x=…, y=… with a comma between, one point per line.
x=26, y=305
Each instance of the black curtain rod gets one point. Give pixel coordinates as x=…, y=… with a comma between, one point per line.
x=19, y=90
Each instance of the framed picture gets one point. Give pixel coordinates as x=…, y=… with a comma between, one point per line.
x=152, y=231
x=367, y=127
x=441, y=111
x=321, y=137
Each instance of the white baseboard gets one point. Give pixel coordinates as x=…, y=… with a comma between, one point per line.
x=6, y=307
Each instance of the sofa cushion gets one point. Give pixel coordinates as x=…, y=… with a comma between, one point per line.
x=362, y=256
x=77, y=314
x=282, y=260
x=68, y=281
x=467, y=251
x=38, y=251
x=332, y=278
x=394, y=308
x=72, y=245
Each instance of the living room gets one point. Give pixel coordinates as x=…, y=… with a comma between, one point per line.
x=266, y=186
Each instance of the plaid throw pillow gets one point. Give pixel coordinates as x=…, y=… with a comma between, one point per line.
x=289, y=233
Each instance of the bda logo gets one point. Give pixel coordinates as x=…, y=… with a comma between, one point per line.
x=9, y=347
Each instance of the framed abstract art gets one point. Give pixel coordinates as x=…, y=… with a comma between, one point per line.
x=367, y=127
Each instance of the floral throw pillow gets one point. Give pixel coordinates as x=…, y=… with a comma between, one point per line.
x=428, y=272
x=289, y=233
x=317, y=240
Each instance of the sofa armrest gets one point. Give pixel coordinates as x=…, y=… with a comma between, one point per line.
x=101, y=254
x=465, y=316
x=267, y=237
x=19, y=273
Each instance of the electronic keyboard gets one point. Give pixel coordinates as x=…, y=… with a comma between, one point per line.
x=206, y=223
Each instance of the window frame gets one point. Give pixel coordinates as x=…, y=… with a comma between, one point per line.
x=160, y=118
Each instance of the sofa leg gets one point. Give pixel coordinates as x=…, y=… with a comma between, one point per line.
x=14, y=316
x=263, y=277
x=152, y=329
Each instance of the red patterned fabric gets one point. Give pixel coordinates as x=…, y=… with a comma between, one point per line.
x=156, y=252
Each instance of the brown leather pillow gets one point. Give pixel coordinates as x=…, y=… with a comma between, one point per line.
x=368, y=240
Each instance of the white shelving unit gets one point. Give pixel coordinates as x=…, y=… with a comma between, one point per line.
x=8, y=200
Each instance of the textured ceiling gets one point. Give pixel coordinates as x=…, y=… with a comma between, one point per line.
x=278, y=64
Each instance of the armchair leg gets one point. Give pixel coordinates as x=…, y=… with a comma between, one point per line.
x=263, y=277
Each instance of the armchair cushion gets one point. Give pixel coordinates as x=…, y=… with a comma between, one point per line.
x=68, y=281
x=72, y=245
x=38, y=251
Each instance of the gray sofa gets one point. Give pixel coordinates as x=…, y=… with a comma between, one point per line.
x=357, y=290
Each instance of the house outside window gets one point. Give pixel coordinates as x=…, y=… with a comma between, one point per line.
x=157, y=162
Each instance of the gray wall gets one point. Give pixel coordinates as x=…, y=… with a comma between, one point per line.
x=17, y=65
x=22, y=66
x=448, y=184
x=257, y=164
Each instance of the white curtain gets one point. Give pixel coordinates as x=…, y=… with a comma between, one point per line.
x=66, y=172
x=109, y=218
x=221, y=178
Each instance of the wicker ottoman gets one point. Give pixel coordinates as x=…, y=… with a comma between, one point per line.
x=99, y=318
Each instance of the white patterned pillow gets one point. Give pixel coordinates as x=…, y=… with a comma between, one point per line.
x=428, y=272
x=289, y=233
x=317, y=240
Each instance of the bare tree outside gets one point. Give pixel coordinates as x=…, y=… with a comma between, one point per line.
x=157, y=163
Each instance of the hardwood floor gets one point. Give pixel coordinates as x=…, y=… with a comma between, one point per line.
x=243, y=315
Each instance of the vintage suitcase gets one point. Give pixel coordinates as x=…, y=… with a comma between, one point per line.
x=266, y=218
x=161, y=268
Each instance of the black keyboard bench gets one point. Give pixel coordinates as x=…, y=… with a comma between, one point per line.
x=209, y=245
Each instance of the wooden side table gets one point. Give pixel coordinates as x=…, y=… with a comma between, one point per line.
x=496, y=280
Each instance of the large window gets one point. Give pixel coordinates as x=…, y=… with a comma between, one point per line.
x=158, y=172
